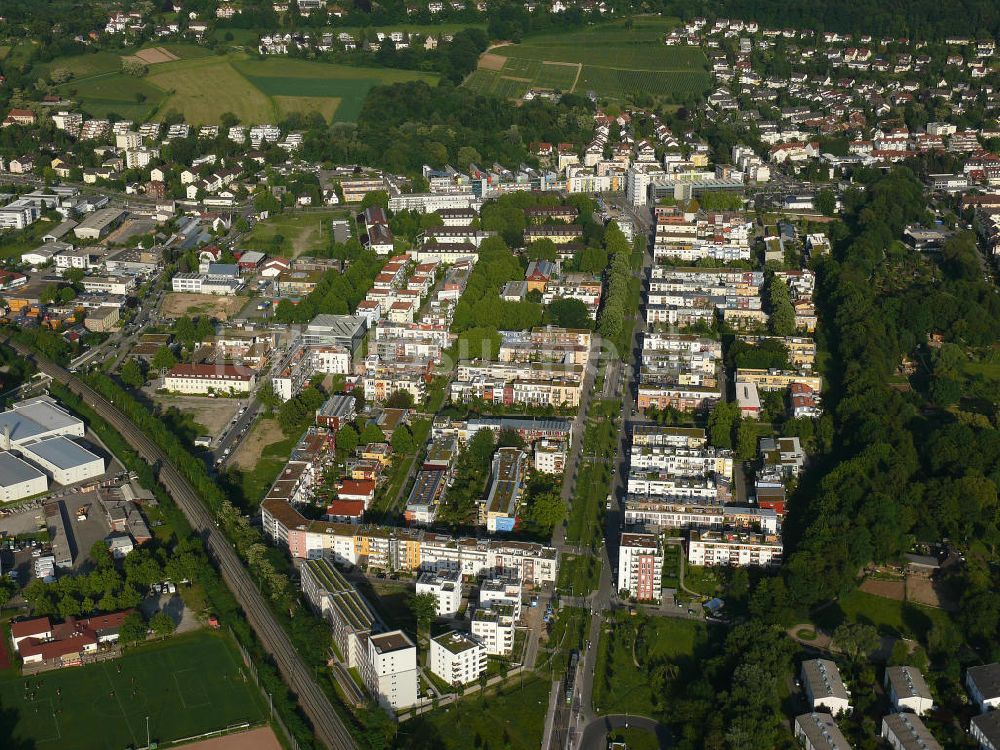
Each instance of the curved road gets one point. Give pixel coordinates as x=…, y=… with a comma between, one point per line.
x=327, y=724
x=596, y=732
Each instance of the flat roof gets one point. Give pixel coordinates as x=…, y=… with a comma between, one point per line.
x=456, y=642
x=394, y=640
x=61, y=452
x=27, y=419
x=13, y=470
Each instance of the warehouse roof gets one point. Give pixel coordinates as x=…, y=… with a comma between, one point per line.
x=28, y=419
x=61, y=452
x=15, y=471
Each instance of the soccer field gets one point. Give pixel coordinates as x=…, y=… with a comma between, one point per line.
x=186, y=687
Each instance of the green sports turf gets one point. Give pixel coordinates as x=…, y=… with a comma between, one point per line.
x=186, y=686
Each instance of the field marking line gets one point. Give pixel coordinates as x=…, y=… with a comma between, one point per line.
x=118, y=699
x=189, y=706
x=54, y=721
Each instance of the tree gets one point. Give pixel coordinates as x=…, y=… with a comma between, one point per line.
x=720, y=423
x=372, y=433
x=826, y=202
x=424, y=609
x=101, y=555
x=466, y=156
x=375, y=198
x=347, y=440
x=400, y=400
x=132, y=375
x=135, y=68
x=746, y=440
x=402, y=440
x=856, y=640
x=547, y=510
x=133, y=629
x=164, y=358
x=569, y=313
x=8, y=589
x=162, y=624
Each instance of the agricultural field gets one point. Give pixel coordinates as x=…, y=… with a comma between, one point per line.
x=610, y=60
x=186, y=686
x=201, y=86
x=298, y=80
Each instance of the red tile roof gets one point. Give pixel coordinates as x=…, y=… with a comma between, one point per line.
x=34, y=626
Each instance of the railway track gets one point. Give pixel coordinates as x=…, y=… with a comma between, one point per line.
x=327, y=724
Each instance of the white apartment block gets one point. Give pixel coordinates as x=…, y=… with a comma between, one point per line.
x=906, y=731
x=734, y=548
x=983, y=684
x=640, y=566
x=389, y=669
x=494, y=628
x=457, y=658
x=908, y=690
x=446, y=587
x=824, y=687
x=501, y=591
x=550, y=456
x=817, y=731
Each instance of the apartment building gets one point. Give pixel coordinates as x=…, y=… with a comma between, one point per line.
x=824, y=687
x=457, y=658
x=389, y=669
x=818, y=731
x=983, y=684
x=985, y=729
x=777, y=380
x=494, y=627
x=503, y=501
x=446, y=587
x=734, y=548
x=550, y=456
x=201, y=380
x=906, y=731
x=908, y=690
x=349, y=615
x=640, y=566
x=405, y=550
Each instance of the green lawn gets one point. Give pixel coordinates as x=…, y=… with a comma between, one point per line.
x=515, y=719
x=585, y=520
x=13, y=242
x=187, y=686
x=891, y=617
x=635, y=739
x=292, y=233
x=703, y=579
x=578, y=575
x=628, y=648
